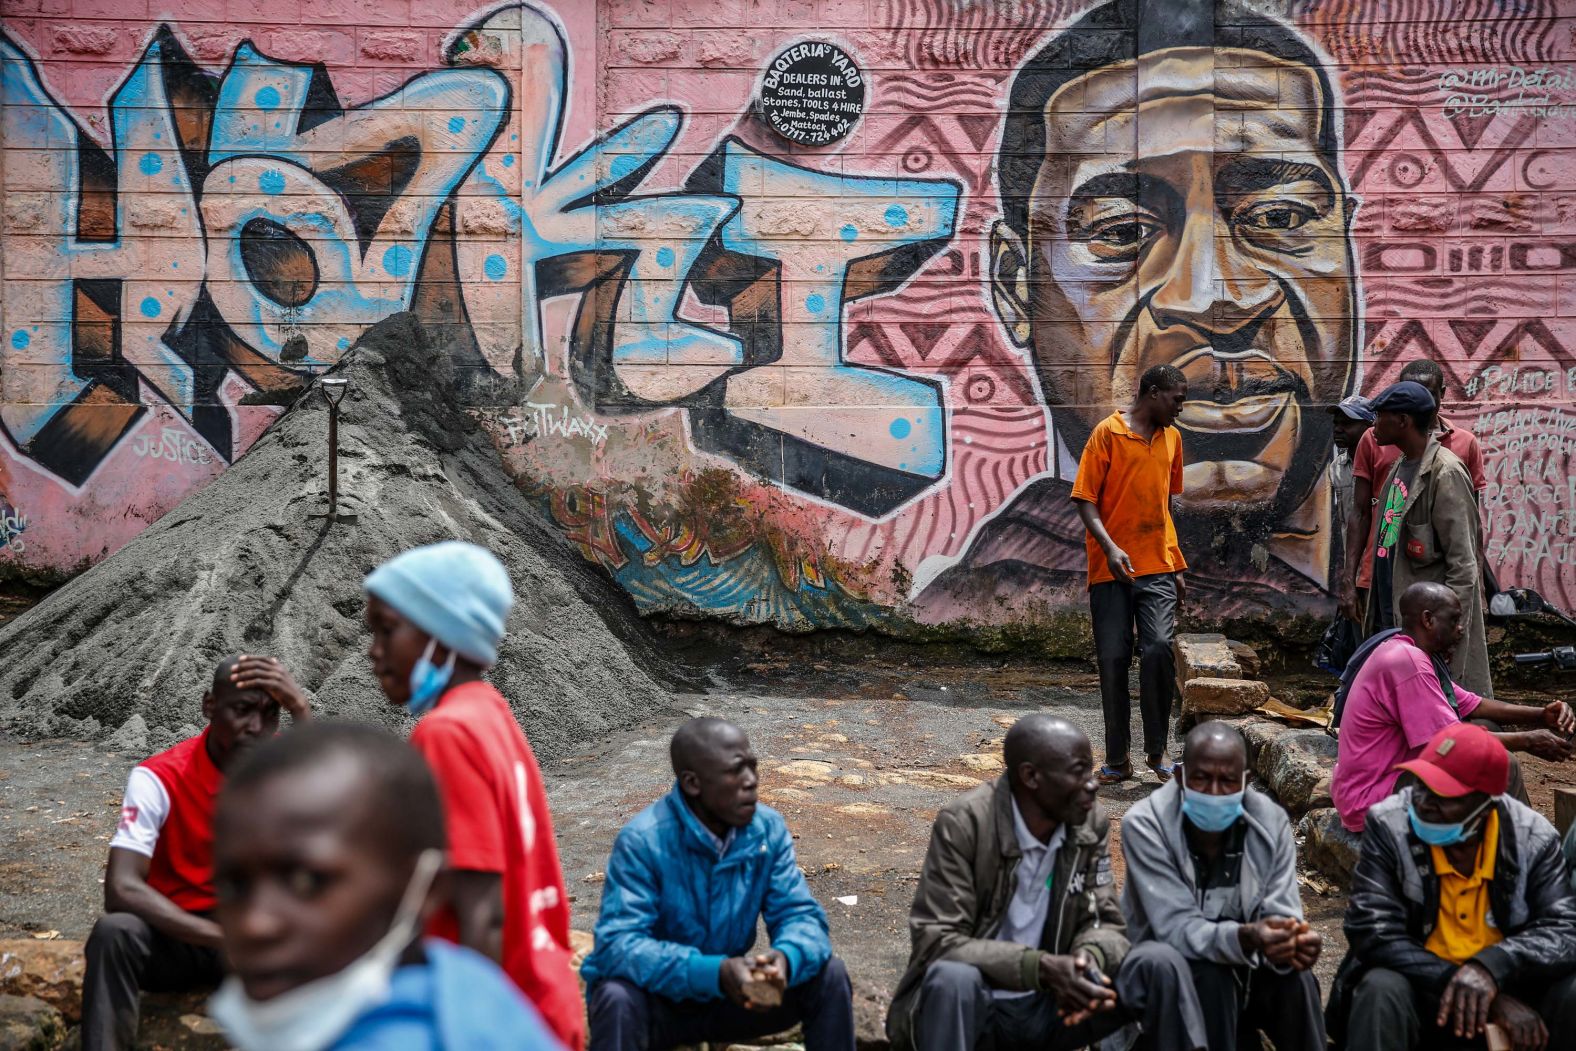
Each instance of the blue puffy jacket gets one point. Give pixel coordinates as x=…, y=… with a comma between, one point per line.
x=672, y=911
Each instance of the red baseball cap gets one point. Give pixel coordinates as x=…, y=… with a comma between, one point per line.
x=1461, y=759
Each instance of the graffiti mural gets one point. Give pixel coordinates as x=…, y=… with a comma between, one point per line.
x=839, y=385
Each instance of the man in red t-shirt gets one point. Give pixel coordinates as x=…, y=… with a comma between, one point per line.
x=1371, y=463
x=437, y=614
x=156, y=932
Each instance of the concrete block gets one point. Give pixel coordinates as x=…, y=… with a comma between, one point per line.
x=1327, y=846
x=1296, y=766
x=1247, y=658
x=1204, y=656
x=1210, y=695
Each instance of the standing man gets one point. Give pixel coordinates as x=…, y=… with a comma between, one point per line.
x=1460, y=914
x=1371, y=463
x=690, y=878
x=1212, y=872
x=1353, y=417
x=1401, y=695
x=1428, y=528
x=437, y=614
x=1017, y=934
x=157, y=932
x=1130, y=469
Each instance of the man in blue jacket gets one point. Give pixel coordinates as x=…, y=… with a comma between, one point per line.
x=688, y=880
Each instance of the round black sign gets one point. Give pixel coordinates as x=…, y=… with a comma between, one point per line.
x=813, y=93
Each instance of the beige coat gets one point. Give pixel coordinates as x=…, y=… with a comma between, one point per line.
x=1442, y=541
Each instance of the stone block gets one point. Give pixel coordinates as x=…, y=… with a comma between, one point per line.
x=50, y=971
x=29, y=1024
x=1247, y=658
x=84, y=40
x=1211, y=695
x=1327, y=846
x=1296, y=766
x=1204, y=656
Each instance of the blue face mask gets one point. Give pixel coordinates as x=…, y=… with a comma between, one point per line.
x=1436, y=834
x=427, y=680
x=1212, y=813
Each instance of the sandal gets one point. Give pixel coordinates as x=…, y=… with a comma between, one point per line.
x=1161, y=769
x=1111, y=775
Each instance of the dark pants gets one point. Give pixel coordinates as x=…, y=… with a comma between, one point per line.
x=1388, y=1014
x=1239, y=1003
x=958, y=1011
x=625, y=1017
x=124, y=957
x=1150, y=603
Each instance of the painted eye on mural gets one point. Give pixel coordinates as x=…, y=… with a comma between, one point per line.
x=1276, y=217
x=1119, y=238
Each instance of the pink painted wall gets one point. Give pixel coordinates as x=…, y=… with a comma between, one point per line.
x=775, y=382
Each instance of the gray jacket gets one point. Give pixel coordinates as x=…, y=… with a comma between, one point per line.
x=1160, y=899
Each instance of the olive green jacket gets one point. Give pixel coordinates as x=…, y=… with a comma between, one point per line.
x=967, y=883
x=1442, y=541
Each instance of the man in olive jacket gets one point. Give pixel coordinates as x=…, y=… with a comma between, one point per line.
x=1428, y=528
x=1017, y=933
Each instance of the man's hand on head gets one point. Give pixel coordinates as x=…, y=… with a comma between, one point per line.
x=1068, y=980
x=1464, y=1008
x=269, y=674
x=1557, y=716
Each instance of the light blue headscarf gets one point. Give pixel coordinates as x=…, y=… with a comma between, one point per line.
x=456, y=592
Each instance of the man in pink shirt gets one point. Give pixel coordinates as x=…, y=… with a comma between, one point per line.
x=1398, y=701
x=1371, y=462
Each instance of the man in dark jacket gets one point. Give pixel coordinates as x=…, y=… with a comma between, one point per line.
x=1460, y=914
x=1212, y=872
x=1016, y=929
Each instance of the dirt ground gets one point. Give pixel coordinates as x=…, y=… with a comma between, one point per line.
x=857, y=756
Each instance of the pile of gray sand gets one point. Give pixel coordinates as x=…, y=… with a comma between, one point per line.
x=123, y=652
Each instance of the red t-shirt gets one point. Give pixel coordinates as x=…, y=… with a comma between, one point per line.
x=1372, y=462
x=495, y=807
x=181, y=866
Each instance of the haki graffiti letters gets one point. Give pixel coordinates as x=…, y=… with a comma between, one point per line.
x=248, y=222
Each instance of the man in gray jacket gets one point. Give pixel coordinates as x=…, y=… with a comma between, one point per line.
x=1017, y=933
x=1212, y=872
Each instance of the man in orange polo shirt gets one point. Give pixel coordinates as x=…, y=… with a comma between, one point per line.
x=1130, y=469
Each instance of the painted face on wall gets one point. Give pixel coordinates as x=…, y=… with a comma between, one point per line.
x=1183, y=213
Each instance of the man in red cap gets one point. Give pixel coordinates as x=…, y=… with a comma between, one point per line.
x=1460, y=913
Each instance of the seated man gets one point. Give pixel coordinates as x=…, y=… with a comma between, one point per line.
x=1212, y=872
x=327, y=847
x=156, y=933
x=1399, y=698
x=688, y=880
x=1015, y=924
x=1460, y=914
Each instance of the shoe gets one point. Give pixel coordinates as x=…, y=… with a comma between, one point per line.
x=1111, y=775
x=1162, y=769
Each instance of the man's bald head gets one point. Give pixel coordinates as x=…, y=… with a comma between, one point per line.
x=1425, y=597
x=699, y=738
x=1214, y=739
x=1040, y=740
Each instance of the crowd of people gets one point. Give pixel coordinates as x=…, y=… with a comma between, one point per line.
x=346, y=889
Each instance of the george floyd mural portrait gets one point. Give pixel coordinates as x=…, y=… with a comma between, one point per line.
x=1172, y=193
x=799, y=313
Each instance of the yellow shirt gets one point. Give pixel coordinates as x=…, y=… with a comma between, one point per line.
x=1465, y=927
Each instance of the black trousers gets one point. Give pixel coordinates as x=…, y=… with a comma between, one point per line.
x=1149, y=604
x=1388, y=1014
x=625, y=1017
x=1239, y=1003
x=125, y=956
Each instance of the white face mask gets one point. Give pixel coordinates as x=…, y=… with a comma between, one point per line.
x=311, y=1017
